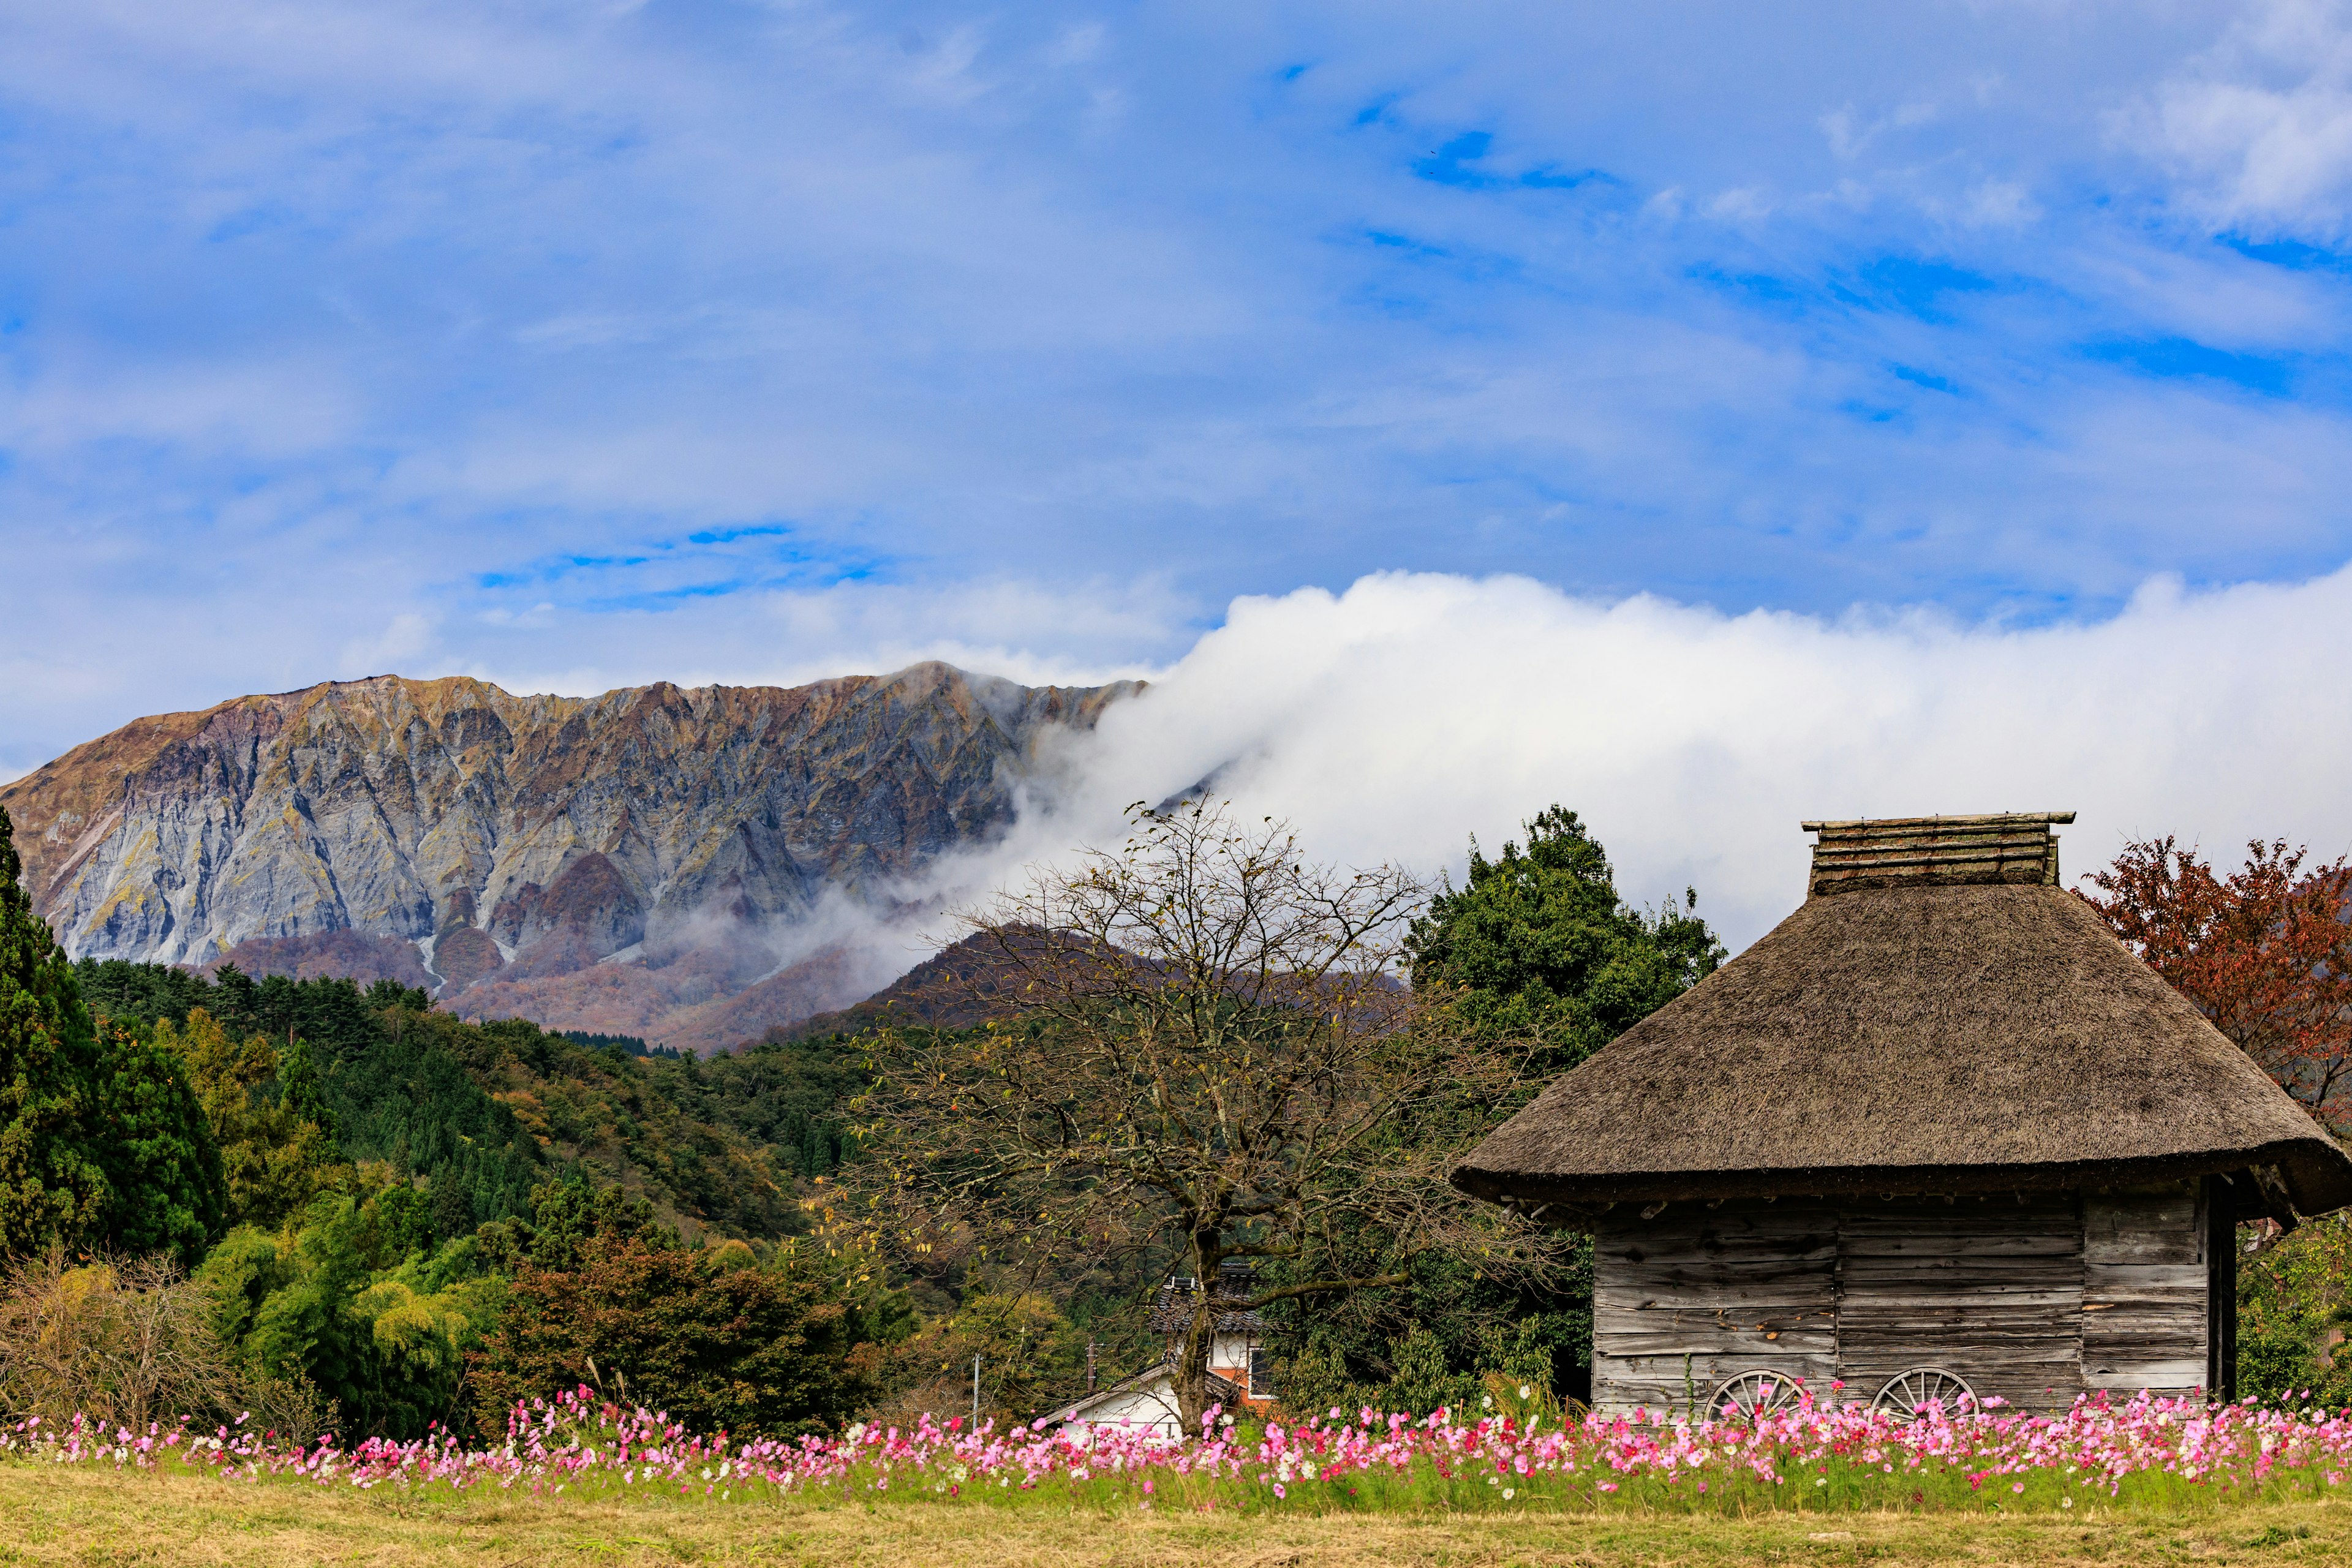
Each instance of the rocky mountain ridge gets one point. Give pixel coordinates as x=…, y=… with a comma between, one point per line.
x=638, y=862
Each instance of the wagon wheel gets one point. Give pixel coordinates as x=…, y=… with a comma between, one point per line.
x=1754, y=1393
x=1912, y=1392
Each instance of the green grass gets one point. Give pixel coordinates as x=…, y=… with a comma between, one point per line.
x=53, y=1514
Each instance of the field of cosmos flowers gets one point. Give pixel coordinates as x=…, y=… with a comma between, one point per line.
x=2099, y=1456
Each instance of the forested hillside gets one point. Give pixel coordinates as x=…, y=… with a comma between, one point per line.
x=345, y=1209
x=480, y=1113
x=393, y=1216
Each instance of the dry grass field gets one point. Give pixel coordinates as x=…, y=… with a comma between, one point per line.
x=55, y=1515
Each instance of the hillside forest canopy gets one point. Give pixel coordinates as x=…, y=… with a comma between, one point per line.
x=345, y=1209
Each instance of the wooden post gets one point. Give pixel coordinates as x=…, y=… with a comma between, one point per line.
x=2220, y=1291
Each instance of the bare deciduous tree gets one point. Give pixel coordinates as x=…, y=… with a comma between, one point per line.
x=1201, y=1046
x=120, y=1342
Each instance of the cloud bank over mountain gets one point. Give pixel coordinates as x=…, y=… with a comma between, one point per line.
x=687, y=865
x=1399, y=716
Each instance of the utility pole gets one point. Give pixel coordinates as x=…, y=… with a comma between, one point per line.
x=1090, y=1366
x=975, y=1393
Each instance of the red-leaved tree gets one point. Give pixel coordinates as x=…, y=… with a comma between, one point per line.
x=2265, y=953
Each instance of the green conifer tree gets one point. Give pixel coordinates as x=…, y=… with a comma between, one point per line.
x=53, y=1188
x=1536, y=946
x=167, y=1190
x=102, y=1141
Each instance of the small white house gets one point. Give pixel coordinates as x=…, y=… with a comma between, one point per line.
x=1240, y=1370
x=1146, y=1402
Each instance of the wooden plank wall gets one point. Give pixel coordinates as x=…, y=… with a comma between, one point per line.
x=1698, y=1295
x=2033, y=1300
x=1990, y=1288
x=2144, y=1290
x=2220, y=1210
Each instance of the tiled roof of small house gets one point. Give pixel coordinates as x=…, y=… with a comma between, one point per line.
x=1172, y=1305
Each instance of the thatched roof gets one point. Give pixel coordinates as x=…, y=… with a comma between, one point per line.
x=1931, y=1030
x=1935, y=851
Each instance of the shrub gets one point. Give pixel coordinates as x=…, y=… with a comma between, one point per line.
x=1032, y=1358
x=356, y=1310
x=774, y=1350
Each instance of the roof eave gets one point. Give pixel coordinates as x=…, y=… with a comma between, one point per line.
x=2318, y=1177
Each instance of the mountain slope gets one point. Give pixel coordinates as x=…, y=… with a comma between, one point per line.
x=517, y=841
x=955, y=988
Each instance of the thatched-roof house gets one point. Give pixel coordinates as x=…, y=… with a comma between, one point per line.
x=1939, y=1131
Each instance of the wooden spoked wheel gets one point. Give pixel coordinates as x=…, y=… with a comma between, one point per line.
x=1914, y=1392
x=1753, y=1393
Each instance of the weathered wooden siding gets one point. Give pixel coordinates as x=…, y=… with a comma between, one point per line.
x=2033, y=1300
x=2144, y=1284
x=1989, y=1289
x=1698, y=1295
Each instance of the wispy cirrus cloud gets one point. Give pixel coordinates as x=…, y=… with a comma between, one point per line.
x=572, y=340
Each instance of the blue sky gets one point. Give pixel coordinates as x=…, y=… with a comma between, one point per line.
x=575, y=344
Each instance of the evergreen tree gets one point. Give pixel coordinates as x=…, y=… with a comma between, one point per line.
x=299, y=1088
x=274, y=1159
x=1538, y=945
x=140, y=993
x=167, y=1190
x=53, y=1187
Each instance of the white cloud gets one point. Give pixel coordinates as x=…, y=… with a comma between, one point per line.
x=1398, y=718
x=1745, y=204
x=1999, y=204
x=490, y=314
x=405, y=640
x=1079, y=634
x=264, y=409
x=1849, y=137
x=2261, y=125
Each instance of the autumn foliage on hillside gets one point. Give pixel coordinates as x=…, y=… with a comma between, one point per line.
x=711, y=1335
x=2264, y=951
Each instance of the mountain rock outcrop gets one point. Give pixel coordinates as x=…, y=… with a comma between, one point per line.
x=515, y=843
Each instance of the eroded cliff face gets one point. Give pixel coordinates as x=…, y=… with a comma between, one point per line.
x=522, y=837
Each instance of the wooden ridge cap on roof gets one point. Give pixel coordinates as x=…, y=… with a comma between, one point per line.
x=2011, y=847
x=1899, y=823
